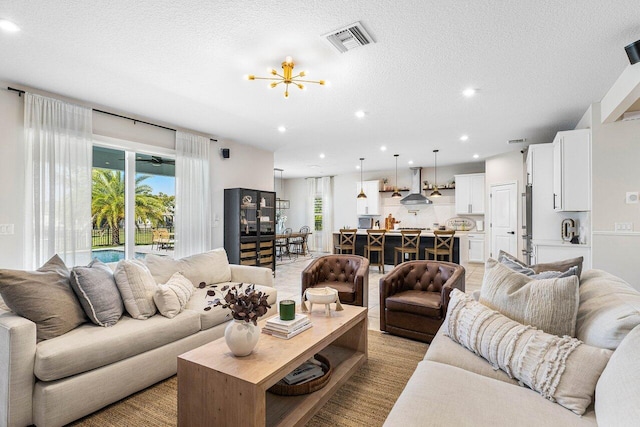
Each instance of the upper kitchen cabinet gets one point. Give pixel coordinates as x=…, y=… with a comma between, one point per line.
x=370, y=205
x=470, y=194
x=572, y=171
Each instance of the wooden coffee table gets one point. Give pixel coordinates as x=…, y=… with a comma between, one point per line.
x=216, y=388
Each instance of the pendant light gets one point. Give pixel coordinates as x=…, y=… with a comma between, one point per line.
x=361, y=195
x=396, y=194
x=435, y=193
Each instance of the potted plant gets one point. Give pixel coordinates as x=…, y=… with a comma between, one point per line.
x=246, y=306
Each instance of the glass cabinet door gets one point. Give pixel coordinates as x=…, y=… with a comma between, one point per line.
x=267, y=213
x=249, y=204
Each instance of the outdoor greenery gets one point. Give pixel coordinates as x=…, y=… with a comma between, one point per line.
x=108, y=198
x=317, y=213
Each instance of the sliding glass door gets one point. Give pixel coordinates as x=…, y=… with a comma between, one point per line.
x=133, y=204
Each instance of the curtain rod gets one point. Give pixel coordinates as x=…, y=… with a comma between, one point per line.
x=20, y=92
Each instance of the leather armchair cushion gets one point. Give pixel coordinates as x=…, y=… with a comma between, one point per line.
x=417, y=302
x=338, y=270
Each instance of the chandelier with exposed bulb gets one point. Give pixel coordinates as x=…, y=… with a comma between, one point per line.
x=287, y=78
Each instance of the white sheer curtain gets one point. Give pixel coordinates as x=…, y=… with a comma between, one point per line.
x=326, y=186
x=193, y=234
x=309, y=214
x=58, y=154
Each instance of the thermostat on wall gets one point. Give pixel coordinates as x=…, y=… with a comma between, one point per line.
x=632, y=197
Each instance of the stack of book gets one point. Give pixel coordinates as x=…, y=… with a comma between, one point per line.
x=286, y=328
x=304, y=373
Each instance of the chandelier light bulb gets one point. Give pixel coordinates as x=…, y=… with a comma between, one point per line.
x=272, y=85
x=288, y=60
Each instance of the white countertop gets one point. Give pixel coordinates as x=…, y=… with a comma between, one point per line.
x=558, y=243
x=429, y=233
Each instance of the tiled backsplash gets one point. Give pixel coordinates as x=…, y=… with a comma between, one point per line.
x=422, y=216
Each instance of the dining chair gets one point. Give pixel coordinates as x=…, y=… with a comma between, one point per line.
x=442, y=245
x=346, y=241
x=375, y=244
x=410, y=245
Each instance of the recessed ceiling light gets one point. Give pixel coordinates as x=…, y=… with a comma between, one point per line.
x=464, y=137
x=410, y=162
x=322, y=155
x=360, y=114
x=357, y=166
x=383, y=148
x=469, y=92
x=475, y=156
x=8, y=26
x=282, y=128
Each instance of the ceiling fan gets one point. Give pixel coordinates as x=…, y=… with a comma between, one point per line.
x=157, y=161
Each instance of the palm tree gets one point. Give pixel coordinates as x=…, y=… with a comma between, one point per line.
x=107, y=201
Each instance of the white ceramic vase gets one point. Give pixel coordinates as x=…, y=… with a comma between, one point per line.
x=241, y=337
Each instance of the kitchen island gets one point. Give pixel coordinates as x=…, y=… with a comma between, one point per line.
x=393, y=239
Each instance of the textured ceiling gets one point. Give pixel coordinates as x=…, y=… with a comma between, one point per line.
x=537, y=66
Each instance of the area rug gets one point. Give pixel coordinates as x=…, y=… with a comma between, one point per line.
x=365, y=400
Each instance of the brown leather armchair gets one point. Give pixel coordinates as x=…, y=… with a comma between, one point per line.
x=348, y=274
x=414, y=297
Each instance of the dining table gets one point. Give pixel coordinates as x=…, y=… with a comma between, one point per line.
x=289, y=238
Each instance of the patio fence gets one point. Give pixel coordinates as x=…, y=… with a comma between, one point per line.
x=103, y=236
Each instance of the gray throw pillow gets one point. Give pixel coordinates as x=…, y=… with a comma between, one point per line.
x=98, y=293
x=561, y=266
x=43, y=296
x=519, y=267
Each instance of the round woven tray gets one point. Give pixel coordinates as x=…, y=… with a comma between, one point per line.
x=284, y=389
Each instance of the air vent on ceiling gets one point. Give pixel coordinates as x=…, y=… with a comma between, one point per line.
x=349, y=37
x=517, y=141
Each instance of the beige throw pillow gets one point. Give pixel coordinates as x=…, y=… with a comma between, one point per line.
x=209, y=267
x=137, y=287
x=547, y=304
x=171, y=298
x=562, y=370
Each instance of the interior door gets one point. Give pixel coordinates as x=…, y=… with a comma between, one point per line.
x=504, y=218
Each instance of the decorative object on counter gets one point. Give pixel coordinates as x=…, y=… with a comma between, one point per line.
x=361, y=195
x=287, y=77
x=325, y=296
x=246, y=307
x=396, y=194
x=287, y=309
x=389, y=222
x=435, y=192
x=460, y=224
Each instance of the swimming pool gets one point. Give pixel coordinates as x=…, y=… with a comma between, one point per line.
x=113, y=255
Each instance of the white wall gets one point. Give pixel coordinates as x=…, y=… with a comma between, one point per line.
x=247, y=167
x=615, y=151
x=503, y=169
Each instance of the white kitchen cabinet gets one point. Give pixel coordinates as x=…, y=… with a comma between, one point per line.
x=370, y=205
x=552, y=252
x=572, y=171
x=470, y=194
x=476, y=247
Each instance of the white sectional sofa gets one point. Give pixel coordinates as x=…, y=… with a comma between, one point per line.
x=454, y=387
x=56, y=381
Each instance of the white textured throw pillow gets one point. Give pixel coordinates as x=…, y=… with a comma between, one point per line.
x=137, y=287
x=171, y=298
x=562, y=370
x=209, y=267
x=547, y=304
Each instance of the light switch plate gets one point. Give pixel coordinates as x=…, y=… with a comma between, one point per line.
x=632, y=197
x=6, y=229
x=624, y=226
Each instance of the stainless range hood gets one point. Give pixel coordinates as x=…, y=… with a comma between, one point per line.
x=416, y=197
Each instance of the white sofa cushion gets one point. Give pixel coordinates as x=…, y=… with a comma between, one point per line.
x=618, y=391
x=562, y=370
x=88, y=346
x=442, y=395
x=548, y=304
x=137, y=287
x=172, y=297
x=609, y=308
x=209, y=267
x=218, y=315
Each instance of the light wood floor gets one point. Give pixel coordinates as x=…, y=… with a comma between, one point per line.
x=288, y=282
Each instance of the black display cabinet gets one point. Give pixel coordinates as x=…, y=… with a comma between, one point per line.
x=250, y=227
